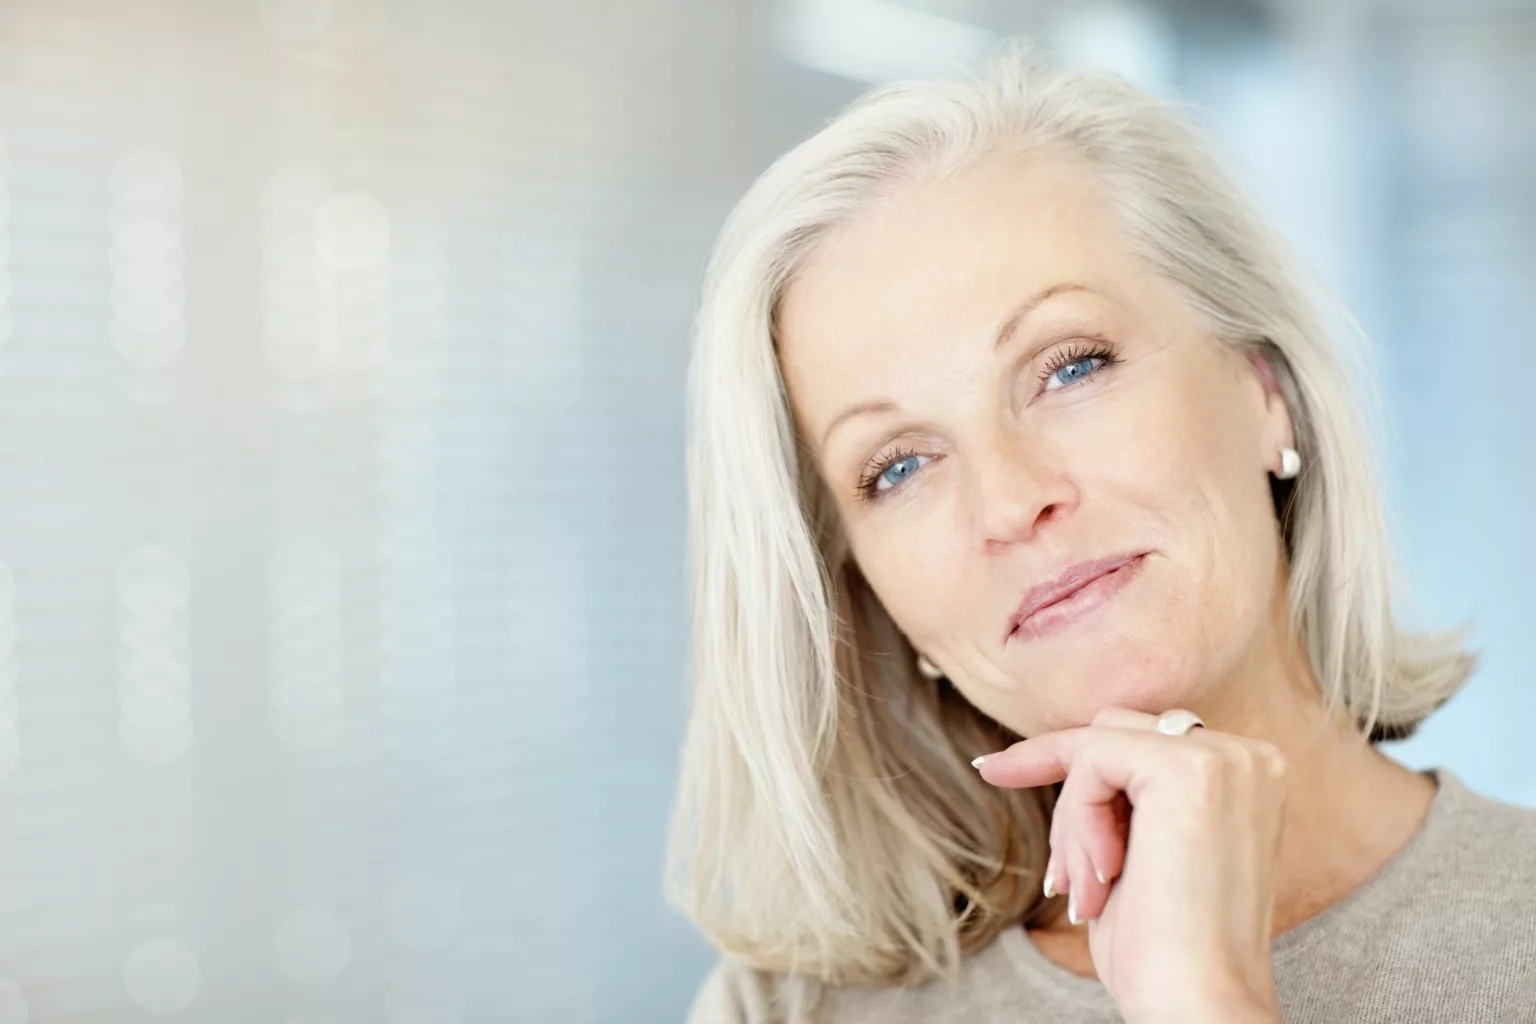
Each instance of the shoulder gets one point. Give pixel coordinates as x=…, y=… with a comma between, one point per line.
x=735, y=992
x=1492, y=839
x=1467, y=934
x=1475, y=889
x=1445, y=931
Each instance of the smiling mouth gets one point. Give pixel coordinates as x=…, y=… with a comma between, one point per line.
x=1077, y=603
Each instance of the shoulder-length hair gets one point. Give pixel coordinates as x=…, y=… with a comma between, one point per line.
x=827, y=820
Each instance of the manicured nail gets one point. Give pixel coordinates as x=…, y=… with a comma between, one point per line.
x=1100, y=876
x=1050, y=883
x=1072, y=909
x=977, y=763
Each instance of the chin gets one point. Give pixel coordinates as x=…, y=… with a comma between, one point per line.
x=1122, y=675
x=1152, y=699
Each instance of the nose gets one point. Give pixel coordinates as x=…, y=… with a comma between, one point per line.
x=1016, y=487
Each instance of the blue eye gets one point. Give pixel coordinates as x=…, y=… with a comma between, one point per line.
x=1076, y=363
x=888, y=475
x=1070, y=373
x=897, y=471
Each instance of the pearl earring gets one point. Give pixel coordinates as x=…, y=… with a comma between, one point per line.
x=1290, y=463
x=928, y=668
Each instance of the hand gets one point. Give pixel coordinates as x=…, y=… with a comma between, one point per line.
x=1184, y=831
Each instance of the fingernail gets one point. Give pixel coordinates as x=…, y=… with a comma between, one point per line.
x=1050, y=886
x=977, y=763
x=1072, y=909
x=1100, y=876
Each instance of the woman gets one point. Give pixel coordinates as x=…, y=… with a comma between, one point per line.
x=1009, y=419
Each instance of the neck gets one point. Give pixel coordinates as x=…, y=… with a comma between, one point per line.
x=1351, y=807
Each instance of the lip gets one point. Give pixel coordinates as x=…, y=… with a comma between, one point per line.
x=1041, y=598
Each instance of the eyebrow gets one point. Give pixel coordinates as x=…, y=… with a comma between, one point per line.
x=1005, y=331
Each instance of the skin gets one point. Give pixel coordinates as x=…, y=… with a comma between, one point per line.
x=998, y=468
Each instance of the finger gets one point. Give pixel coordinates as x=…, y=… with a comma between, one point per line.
x=1086, y=898
x=1050, y=887
x=1036, y=761
x=1090, y=816
x=1113, y=717
x=1107, y=831
x=1057, y=866
x=1125, y=718
x=1098, y=826
x=1099, y=832
x=1105, y=843
x=1107, y=769
x=1060, y=864
x=1131, y=756
x=1091, y=829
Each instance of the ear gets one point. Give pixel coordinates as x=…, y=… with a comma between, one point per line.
x=1275, y=431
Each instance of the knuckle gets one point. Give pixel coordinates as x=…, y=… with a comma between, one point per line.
x=1205, y=764
x=1274, y=761
x=1247, y=758
x=1261, y=759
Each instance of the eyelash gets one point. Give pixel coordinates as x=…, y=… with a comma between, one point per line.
x=1077, y=352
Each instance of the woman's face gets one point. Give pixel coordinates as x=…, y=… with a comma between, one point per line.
x=996, y=390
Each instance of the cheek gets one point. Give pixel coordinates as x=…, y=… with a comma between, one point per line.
x=1227, y=572
x=912, y=567
x=1173, y=469
x=1189, y=447
x=1226, y=540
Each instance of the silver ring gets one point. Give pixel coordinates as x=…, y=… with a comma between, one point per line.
x=1178, y=722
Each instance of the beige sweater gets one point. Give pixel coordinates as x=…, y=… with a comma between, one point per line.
x=1444, y=932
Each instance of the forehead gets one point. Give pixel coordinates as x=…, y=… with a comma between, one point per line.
x=938, y=263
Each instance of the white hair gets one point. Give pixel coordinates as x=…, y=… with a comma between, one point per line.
x=827, y=822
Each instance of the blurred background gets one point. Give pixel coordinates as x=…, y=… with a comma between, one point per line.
x=342, y=345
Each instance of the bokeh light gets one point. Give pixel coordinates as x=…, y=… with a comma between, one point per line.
x=13, y=1003
x=162, y=976
x=312, y=946
x=304, y=591
x=424, y=912
x=148, y=328
x=154, y=654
